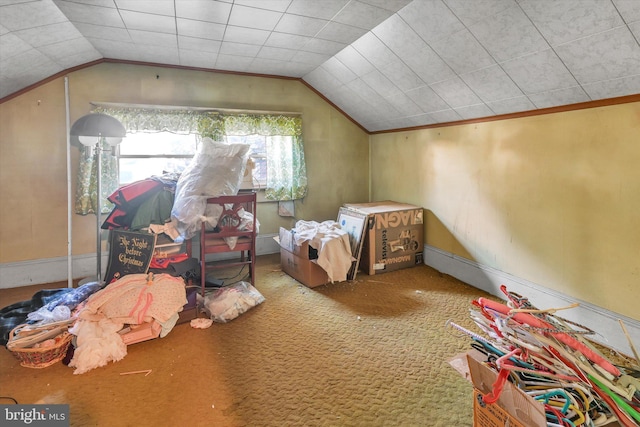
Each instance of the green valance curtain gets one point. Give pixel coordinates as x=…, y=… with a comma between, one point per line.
x=286, y=170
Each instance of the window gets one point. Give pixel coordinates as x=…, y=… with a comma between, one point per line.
x=144, y=154
x=276, y=143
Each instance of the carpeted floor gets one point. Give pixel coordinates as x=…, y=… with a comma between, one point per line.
x=373, y=352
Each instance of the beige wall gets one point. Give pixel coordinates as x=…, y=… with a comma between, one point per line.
x=33, y=154
x=553, y=199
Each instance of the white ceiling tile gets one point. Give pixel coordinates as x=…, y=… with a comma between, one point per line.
x=338, y=70
x=511, y=105
x=410, y=48
x=613, y=88
x=361, y=15
x=59, y=50
x=28, y=66
x=80, y=57
x=276, y=53
x=3, y=30
x=88, y=14
x=159, y=54
x=280, y=68
x=115, y=48
x=427, y=99
x=155, y=39
x=197, y=58
x=325, y=9
x=392, y=5
x=198, y=44
x=539, y=72
x=288, y=41
x=148, y=22
x=300, y=25
x=491, y=84
x=239, y=49
x=477, y=10
x=379, y=83
x=200, y=29
x=402, y=76
x=629, y=9
x=102, y=32
x=233, y=62
x=635, y=29
x=321, y=79
x=404, y=104
x=474, y=111
x=204, y=10
x=365, y=91
x=310, y=57
x=12, y=45
x=455, y=93
x=20, y=16
x=572, y=95
x=323, y=46
x=563, y=21
x=432, y=20
x=355, y=61
x=445, y=116
x=508, y=34
x=250, y=17
x=341, y=33
x=462, y=52
x=49, y=34
x=592, y=58
x=277, y=5
x=245, y=35
x=158, y=7
x=374, y=50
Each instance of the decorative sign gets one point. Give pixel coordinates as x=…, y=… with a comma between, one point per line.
x=129, y=253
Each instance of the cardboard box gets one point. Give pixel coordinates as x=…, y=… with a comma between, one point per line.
x=513, y=408
x=296, y=261
x=393, y=238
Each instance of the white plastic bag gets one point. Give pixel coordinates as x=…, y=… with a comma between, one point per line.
x=229, y=302
x=215, y=170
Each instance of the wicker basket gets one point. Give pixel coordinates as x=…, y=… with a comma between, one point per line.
x=31, y=357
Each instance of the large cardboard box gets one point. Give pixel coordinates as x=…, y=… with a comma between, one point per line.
x=393, y=237
x=296, y=261
x=513, y=408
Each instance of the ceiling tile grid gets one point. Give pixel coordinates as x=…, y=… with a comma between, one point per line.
x=388, y=64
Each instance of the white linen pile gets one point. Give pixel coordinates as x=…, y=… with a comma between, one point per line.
x=133, y=300
x=332, y=244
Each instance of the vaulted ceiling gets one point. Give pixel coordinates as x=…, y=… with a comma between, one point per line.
x=388, y=64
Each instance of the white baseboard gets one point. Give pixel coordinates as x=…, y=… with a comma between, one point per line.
x=48, y=270
x=603, y=322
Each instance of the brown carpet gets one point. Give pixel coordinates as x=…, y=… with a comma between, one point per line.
x=373, y=352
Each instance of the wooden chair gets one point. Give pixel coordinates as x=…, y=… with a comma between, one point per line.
x=230, y=226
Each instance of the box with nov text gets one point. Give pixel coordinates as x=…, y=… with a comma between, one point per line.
x=393, y=238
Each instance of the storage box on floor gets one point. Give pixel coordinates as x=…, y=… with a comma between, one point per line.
x=393, y=238
x=513, y=408
x=298, y=262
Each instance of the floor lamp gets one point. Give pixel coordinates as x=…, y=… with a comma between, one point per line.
x=91, y=130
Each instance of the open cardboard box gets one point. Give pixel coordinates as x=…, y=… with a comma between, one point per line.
x=514, y=407
x=295, y=261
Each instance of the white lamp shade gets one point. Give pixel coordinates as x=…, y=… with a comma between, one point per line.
x=113, y=140
x=88, y=141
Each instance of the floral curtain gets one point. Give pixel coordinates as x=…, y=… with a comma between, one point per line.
x=286, y=168
x=287, y=176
